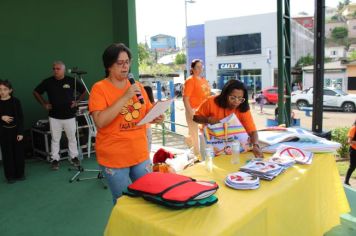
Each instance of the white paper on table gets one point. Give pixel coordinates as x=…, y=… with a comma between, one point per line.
x=158, y=109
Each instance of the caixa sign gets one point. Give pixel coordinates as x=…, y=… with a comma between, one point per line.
x=229, y=65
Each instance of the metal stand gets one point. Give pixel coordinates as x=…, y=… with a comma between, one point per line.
x=80, y=169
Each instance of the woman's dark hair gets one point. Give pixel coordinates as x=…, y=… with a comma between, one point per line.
x=111, y=54
x=7, y=84
x=192, y=65
x=149, y=93
x=222, y=99
x=355, y=122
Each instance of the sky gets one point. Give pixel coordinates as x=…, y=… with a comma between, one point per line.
x=168, y=16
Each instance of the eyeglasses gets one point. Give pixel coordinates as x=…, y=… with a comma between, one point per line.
x=122, y=62
x=237, y=99
x=198, y=67
x=54, y=68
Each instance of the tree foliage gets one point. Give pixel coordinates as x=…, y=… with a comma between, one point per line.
x=308, y=60
x=339, y=33
x=305, y=61
x=148, y=62
x=342, y=4
x=335, y=17
x=340, y=135
x=143, y=53
x=180, y=59
x=352, y=56
x=156, y=69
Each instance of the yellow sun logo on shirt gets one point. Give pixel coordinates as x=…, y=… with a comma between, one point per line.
x=206, y=89
x=131, y=110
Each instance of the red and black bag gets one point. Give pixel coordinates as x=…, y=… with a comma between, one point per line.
x=170, y=188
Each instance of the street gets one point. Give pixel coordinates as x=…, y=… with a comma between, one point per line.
x=331, y=119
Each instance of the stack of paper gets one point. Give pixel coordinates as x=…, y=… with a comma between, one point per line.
x=299, y=155
x=284, y=161
x=271, y=137
x=263, y=169
x=270, y=140
x=321, y=146
x=242, y=180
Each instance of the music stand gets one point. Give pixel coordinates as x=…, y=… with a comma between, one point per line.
x=91, y=126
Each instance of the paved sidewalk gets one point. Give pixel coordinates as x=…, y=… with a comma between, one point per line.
x=352, y=181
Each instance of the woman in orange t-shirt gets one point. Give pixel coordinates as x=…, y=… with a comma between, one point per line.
x=351, y=139
x=233, y=99
x=121, y=145
x=196, y=90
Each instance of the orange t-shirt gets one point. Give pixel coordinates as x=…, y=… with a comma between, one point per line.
x=210, y=108
x=121, y=143
x=351, y=134
x=197, y=90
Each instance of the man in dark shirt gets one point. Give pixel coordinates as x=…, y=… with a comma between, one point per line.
x=61, y=105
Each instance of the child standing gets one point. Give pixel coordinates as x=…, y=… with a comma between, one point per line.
x=261, y=101
x=11, y=134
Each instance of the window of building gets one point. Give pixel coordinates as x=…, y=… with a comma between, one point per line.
x=333, y=53
x=354, y=27
x=239, y=44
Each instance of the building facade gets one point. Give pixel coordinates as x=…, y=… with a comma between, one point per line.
x=335, y=76
x=351, y=28
x=348, y=10
x=196, y=46
x=330, y=12
x=305, y=21
x=332, y=25
x=162, y=42
x=335, y=52
x=243, y=48
x=351, y=76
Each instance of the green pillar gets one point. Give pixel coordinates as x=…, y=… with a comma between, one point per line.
x=284, y=62
x=124, y=28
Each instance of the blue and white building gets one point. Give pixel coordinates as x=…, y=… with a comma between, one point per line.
x=246, y=48
x=162, y=42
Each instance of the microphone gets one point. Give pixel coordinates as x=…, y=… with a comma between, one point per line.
x=132, y=81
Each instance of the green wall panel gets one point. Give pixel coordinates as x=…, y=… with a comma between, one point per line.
x=35, y=33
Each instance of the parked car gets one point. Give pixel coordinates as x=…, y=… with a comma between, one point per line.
x=271, y=94
x=332, y=98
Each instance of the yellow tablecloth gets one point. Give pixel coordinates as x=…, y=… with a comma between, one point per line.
x=305, y=200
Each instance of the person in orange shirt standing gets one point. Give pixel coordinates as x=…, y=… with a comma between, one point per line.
x=196, y=90
x=351, y=139
x=121, y=146
x=233, y=99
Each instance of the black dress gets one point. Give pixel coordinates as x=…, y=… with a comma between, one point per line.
x=12, y=150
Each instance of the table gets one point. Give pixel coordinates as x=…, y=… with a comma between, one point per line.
x=304, y=200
